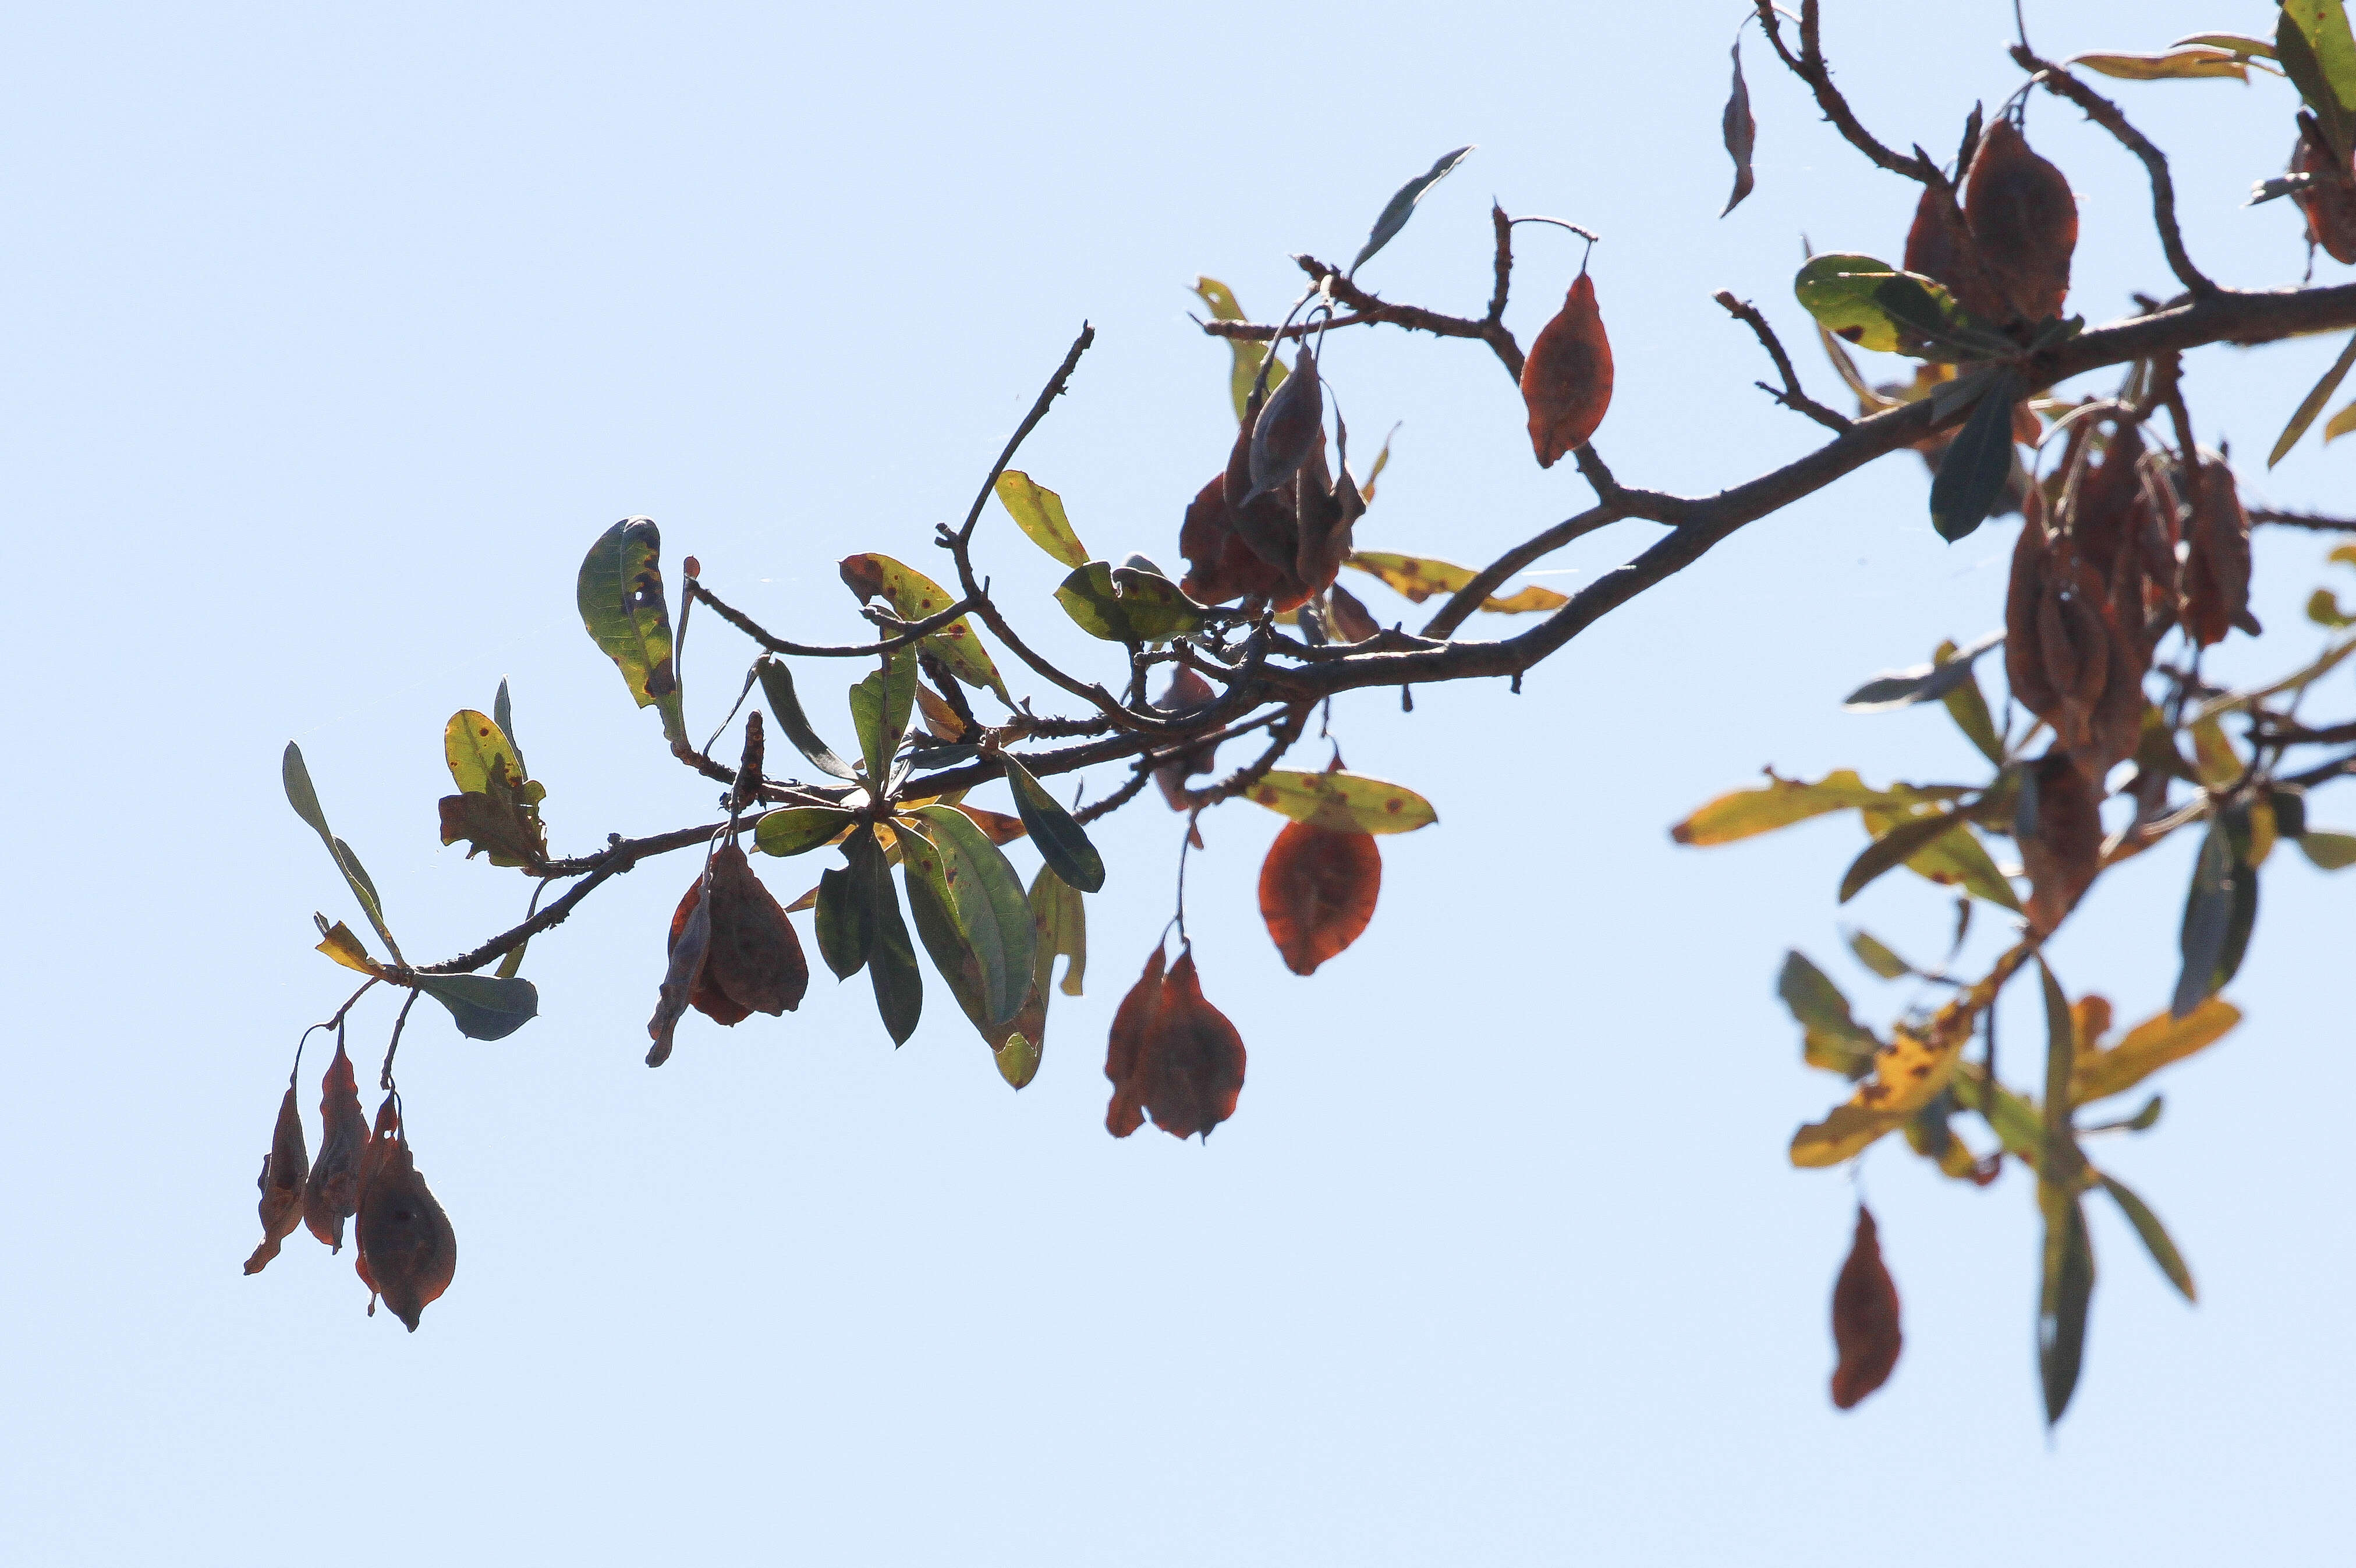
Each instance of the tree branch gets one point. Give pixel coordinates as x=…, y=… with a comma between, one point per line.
x=916, y=631
x=1790, y=397
x=1809, y=66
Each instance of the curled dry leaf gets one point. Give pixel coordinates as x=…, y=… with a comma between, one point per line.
x=1187, y=690
x=2023, y=221
x=2217, y=557
x=408, y=1253
x=2065, y=656
x=2060, y=829
x=1172, y=1055
x=1289, y=428
x=691, y=944
x=2330, y=202
x=1349, y=619
x=1939, y=246
x=1741, y=133
x=1567, y=377
x=284, y=1169
x=1317, y=891
x=1865, y=1318
x=333, y=1194
x=1221, y=566
x=754, y=962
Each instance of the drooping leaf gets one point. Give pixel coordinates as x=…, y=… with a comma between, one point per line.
x=1781, y=802
x=1172, y=1055
x=754, y=962
x=1059, y=916
x=1317, y=892
x=297, y=778
x=2312, y=404
x=332, y=1193
x=846, y=919
x=1124, y=604
x=1039, y=513
x=1568, y=375
x=1741, y=132
x=916, y=597
x=620, y=594
x=408, y=1252
x=880, y=706
x=689, y=945
x=2024, y=222
x=1831, y=1038
x=2330, y=851
x=339, y=943
x=1968, y=708
x=1063, y=842
x=1978, y=463
x=284, y=1170
x=1401, y=206
x=2064, y=1293
x=483, y=1006
x=1290, y=426
x=2176, y=65
x=1420, y=577
x=987, y=900
x=892, y=962
x=1249, y=355
x=2220, y=909
x=1866, y=1332
x=498, y=822
x=1921, y=683
x=2317, y=51
x=1342, y=803
x=1014, y=1043
x=2155, y=1238
x=798, y=830
x=784, y=705
x=2149, y=1046
x=1874, y=955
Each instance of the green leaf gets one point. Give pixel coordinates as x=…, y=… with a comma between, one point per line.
x=777, y=686
x=2177, y=65
x=1059, y=917
x=798, y=830
x=880, y=706
x=891, y=961
x=2231, y=43
x=1342, y=803
x=1968, y=708
x=620, y=593
x=916, y=597
x=2330, y=851
x=2061, y=1146
x=2065, y=1291
x=1873, y=305
x=2312, y=45
x=2155, y=1236
x=1125, y=604
x=1895, y=848
x=1014, y=1044
x=2323, y=609
x=1062, y=841
x=1418, y=577
x=2312, y=404
x=1978, y=463
x=1831, y=1038
x=476, y=749
x=1039, y=513
x=483, y=1007
x=297, y=779
x=846, y=914
x=2148, y=1046
x=2220, y=909
x=1871, y=952
x=1401, y=206
x=986, y=899
x=1249, y=355
x=1781, y=802
x=503, y=715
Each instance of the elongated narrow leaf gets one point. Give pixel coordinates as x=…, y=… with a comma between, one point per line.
x=482, y=1006
x=798, y=830
x=1418, y=577
x=1063, y=842
x=1781, y=802
x=503, y=715
x=1978, y=463
x=1950, y=860
x=2220, y=907
x=987, y=900
x=1741, y=132
x=2061, y=1062
x=1894, y=847
x=880, y=707
x=2177, y=65
x=1968, y=706
x=2341, y=423
x=1015, y=1045
x=2151, y=1045
x=1126, y=605
x=1921, y=683
x=2305, y=39
x=1060, y=917
x=1874, y=955
x=2065, y=1293
x=2231, y=43
x=1401, y=206
x=847, y=921
x=300, y=794
x=2155, y=1238
x=2312, y=404
x=1830, y=1037
x=777, y=686
x=1249, y=356
x=1039, y=513
x=1342, y=803
x=892, y=962
x=916, y=597
x=620, y=595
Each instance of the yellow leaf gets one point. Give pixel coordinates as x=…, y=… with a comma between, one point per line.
x=1908, y=1074
x=473, y=745
x=939, y=717
x=1744, y=812
x=1344, y=802
x=2214, y=756
x=2148, y=1046
x=1247, y=355
x=1039, y=513
x=345, y=948
x=1420, y=577
x=916, y=597
x=2176, y=65
x=2341, y=423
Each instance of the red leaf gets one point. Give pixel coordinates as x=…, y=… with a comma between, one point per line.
x=755, y=962
x=2330, y=202
x=408, y=1253
x=2217, y=557
x=284, y=1169
x=1566, y=378
x=1865, y=1318
x=1172, y=1055
x=2023, y=220
x=1317, y=892
x=1939, y=246
x=333, y=1194
x=2065, y=850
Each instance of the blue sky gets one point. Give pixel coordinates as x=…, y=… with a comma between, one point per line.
x=337, y=335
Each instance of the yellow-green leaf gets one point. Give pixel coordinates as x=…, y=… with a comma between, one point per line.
x=1344, y=802
x=916, y=597
x=1908, y=1072
x=2312, y=404
x=2330, y=851
x=2148, y=1046
x=1420, y=577
x=2323, y=609
x=2177, y=65
x=1955, y=858
x=338, y=944
x=475, y=747
x=1249, y=356
x=620, y=595
x=2214, y=758
x=2341, y=423
x=1781, y=802
x=1039, y=513
x=1830, y=1037
x=2155, y=1236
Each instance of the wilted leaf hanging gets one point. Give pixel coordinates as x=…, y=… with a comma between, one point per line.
x=620, y=594
x=689, y=945
x=1317, y=891
x=283, y=1171
x=1567, y=375
x=1288, y=429
x=333, y=1193
x=1865, y=1318
x=408, y=1253
x=1741, y=133
x=752, y=961
x=1172, y=1055
x=2023, y=220
x=2058, y=826
x=2328, y=200
x=2217, y=557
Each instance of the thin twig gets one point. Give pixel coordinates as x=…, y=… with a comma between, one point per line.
x=2315, y=521
x=1809, y=66
x=915, y=630
x=1490, y=578
x=1790, y=397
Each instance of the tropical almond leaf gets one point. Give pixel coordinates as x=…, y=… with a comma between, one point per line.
x=798, y=830
x=916, y=597
x=297, y=779
x=1418, y=577
x=483, y=1007
x=1039, y=513
x=1978, y=463
x=777, y=686
x=476, y=747
x=620, y=595
x=1401, y=206
x=2148, y=1046
x=1249, y=356
x=1129, y=604
x=338, y=944
x=1063, y=842
x=1342, y=803
x=880, y=707
x=987, y=900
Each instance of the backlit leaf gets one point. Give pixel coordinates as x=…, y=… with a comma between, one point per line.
x=477, y=750
x=1871, y=952
x=2330, y=851
x=1342, y=803
x=297, y=779
x=1830, y=1037
x=2150, y=1046
x=483, y=1006
x=2341, y=423
x=916, y=597
x=1317, y=892
x=1420, y=577
x=1125, y=604
x=1249, y=355
x=338, y=944
x=1869, y=302
x=1978, y=463
x=798, y=830
x=786, y=707
x=1908, y=1073
x=1062, y=841
x=1921, y=683
x=1741, y=133
x=1781, y=802
x=2177, y=65
x=987, y=900
x=620, y=595
x=2312, y=404
x=1039, y=513
x=2065, y=1293
x=1014, y=1043
x=2221, y=907
x=880, y=706
x=1060, y=917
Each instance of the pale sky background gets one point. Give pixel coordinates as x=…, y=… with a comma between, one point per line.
x=335, y=336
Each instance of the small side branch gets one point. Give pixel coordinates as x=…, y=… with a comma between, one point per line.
x=913, y=631
x=1790, y=397
x=1415, y=318
x=1809, y=66
x=2314, y=521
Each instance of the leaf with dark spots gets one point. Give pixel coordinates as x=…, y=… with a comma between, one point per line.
x=1567, y=375
x=1865, y=1318
x=1317, y=892
x=333, y=1192
x=620, y=595
x=497, y=823
x=283, y=1171
x=408, y=1253
x=1741, y=133
x=1172, y=1055
x=916, y=597
x=1127, y=604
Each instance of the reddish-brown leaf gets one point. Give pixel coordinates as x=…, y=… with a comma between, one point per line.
x=1221, y=567
x=1317, y=891
x=1865, y=1318
x=2023, y=220
x=689, y=945
x=755, y=964
x=1187, y=690
x=1939, y=246
x=1323, y=519
x=333, y=1193
x=284, y=1169
x=2066, y=848
x=1286, y=431
x=2217, y=557
x=2330, y=203
x=2067, y=658
x=408, y=1253
x=1567, y=376
x=1350, y=620
x=1172, y=1055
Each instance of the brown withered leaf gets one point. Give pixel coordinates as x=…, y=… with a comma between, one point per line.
x=283, y=1171
x=690, y=944
x=1290, y=425
x=2060, y=829
x=1567, y=376
x=1172, y=1055
x=1349, y=619
x=2023, y=220
x=996, y=826
x=755, y=963
x=2330, y=203
x=1187, y=690
x=1322, y=523
x=2066, y=657
x=1317, y=891
x=333, y=1193
x=2217, y=557
x=1939, y=246
x=408, y=1253
x=1865, y=1318
x=1221, y=567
